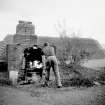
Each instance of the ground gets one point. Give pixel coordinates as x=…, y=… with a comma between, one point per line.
x=29, y=95
x=72, y=95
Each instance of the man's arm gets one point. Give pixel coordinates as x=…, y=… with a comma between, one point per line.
x=43, y=60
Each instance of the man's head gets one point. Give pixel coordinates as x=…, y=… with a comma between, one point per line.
x=35, y=46
x=46, y=44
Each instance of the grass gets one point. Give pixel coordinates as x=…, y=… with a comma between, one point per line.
x=79, y=76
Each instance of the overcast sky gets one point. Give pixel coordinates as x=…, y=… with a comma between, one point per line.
x=86, y=17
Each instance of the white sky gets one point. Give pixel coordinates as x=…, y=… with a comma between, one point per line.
x=84, y=16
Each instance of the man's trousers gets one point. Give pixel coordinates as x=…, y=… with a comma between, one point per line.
x=51, y=62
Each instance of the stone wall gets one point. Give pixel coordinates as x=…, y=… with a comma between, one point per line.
x=25, y=33
x=15, y=53
x=24, y=37
x=25, y=28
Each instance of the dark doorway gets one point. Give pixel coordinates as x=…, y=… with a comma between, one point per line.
x=3, y=67
x=3, y=70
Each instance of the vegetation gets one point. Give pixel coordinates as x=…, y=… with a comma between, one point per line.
x=70, y=51
x=74, y=50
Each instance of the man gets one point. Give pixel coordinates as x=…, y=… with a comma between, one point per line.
x=33, y=54
x=36, y=53
x=51, y=62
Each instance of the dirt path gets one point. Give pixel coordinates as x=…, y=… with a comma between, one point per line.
x=51, y=96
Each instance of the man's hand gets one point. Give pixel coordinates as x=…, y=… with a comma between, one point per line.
x=44, y=69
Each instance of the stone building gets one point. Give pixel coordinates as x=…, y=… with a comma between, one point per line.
x=24, y=37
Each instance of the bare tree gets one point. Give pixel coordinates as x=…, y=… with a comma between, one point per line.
x=70, y=52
